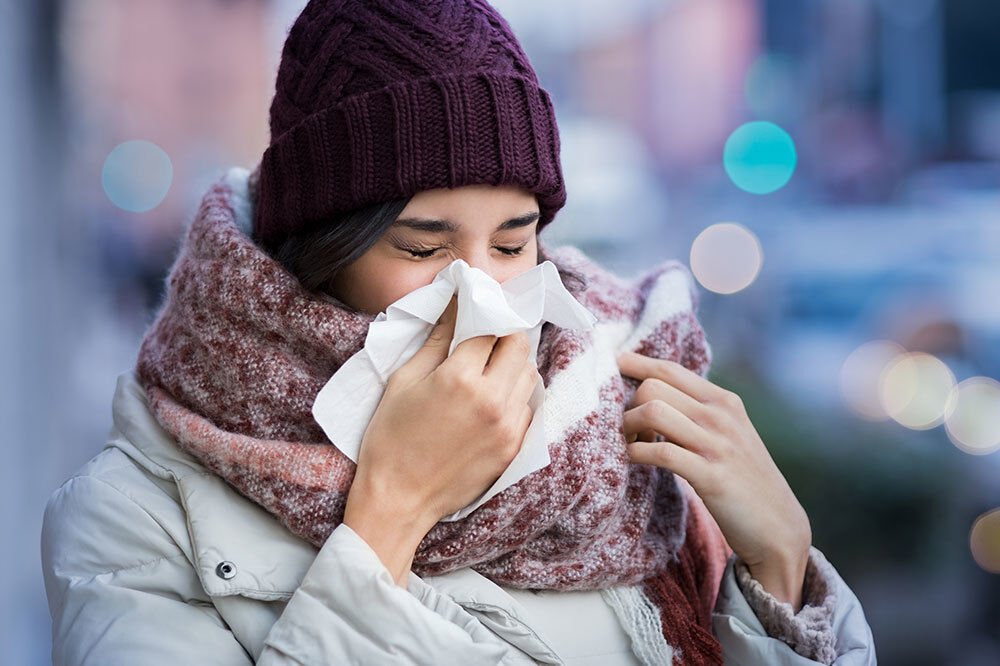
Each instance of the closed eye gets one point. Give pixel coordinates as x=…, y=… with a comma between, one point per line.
x=424, y=254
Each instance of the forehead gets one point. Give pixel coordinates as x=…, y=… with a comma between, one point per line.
x=449, y=210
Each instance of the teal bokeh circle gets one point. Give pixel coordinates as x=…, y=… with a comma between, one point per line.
x=759, y=157
x=137, y=175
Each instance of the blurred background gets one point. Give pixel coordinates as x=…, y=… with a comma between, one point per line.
x=830, y=170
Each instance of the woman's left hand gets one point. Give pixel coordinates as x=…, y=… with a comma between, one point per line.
x=711, y=443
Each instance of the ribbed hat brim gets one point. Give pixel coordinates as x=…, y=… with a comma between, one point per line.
x=473, y=128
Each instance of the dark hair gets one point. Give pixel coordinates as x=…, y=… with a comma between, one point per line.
x=316, y=255
x=573, y=281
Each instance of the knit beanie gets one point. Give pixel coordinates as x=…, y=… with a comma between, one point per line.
x=380, y=99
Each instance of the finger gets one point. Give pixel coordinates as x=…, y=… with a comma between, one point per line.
x=668, y=455
x=471, y=355
x=526, y=417
x=524, y=384
x=666, y=420
x=509, y=355
x=645, y=435
x=435, y=348
x=641, y=367
x=653, y=388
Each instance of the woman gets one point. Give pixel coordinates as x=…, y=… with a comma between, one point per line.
x=220, y=526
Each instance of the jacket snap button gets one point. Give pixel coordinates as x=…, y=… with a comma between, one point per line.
x=225, y=570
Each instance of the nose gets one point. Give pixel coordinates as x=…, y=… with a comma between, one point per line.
x=483, y=262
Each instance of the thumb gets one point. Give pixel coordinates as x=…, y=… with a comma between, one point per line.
x=435, y=350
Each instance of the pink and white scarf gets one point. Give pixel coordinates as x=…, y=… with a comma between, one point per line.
x=239, y=350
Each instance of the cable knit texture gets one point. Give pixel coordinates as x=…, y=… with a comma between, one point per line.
x=810, y=631
x=380, y=99
x=239, y=350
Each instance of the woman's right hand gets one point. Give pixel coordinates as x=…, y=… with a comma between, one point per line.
x=445, y=430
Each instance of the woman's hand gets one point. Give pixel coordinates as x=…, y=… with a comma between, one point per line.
x=445, y=430
x=711, y=443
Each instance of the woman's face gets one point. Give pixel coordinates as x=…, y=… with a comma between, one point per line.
x=491, y=227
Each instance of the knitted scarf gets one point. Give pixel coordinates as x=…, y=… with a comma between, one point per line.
x=239, y=350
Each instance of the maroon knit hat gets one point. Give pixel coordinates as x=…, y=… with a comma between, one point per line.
x=380, y=99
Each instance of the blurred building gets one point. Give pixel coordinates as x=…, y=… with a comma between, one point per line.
x=195, y=77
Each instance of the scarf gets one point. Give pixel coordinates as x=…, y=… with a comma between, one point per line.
x=238, y=351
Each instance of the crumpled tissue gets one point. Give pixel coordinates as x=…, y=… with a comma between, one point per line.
x=345, y=405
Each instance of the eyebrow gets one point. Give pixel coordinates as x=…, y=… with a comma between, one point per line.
x=440, y=226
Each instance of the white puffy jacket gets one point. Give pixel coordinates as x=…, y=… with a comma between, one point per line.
x=149, y=559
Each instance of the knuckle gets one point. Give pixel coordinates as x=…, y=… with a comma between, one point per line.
x=649, y=388
x=490, y=409
x=655, y=410
x=702, y=414
x=642, y=392
x=732, y=401
x=520, y=342
x=454, y=382
x=664, y=456
x=437, y=334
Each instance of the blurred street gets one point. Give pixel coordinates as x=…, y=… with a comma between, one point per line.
x=848, y=150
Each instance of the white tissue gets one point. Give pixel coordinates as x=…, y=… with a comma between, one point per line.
x=345, y=405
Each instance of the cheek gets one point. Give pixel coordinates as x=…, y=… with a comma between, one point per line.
x=390, y=284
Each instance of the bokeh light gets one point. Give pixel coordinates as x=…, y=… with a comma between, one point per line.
x=917, y=390
x=974, y=425
x=137, y=175
x=859, y=377
x=759, y=157
x=726, y=257
x=984, y=541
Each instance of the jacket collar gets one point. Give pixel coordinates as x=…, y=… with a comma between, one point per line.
x=223, y=525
